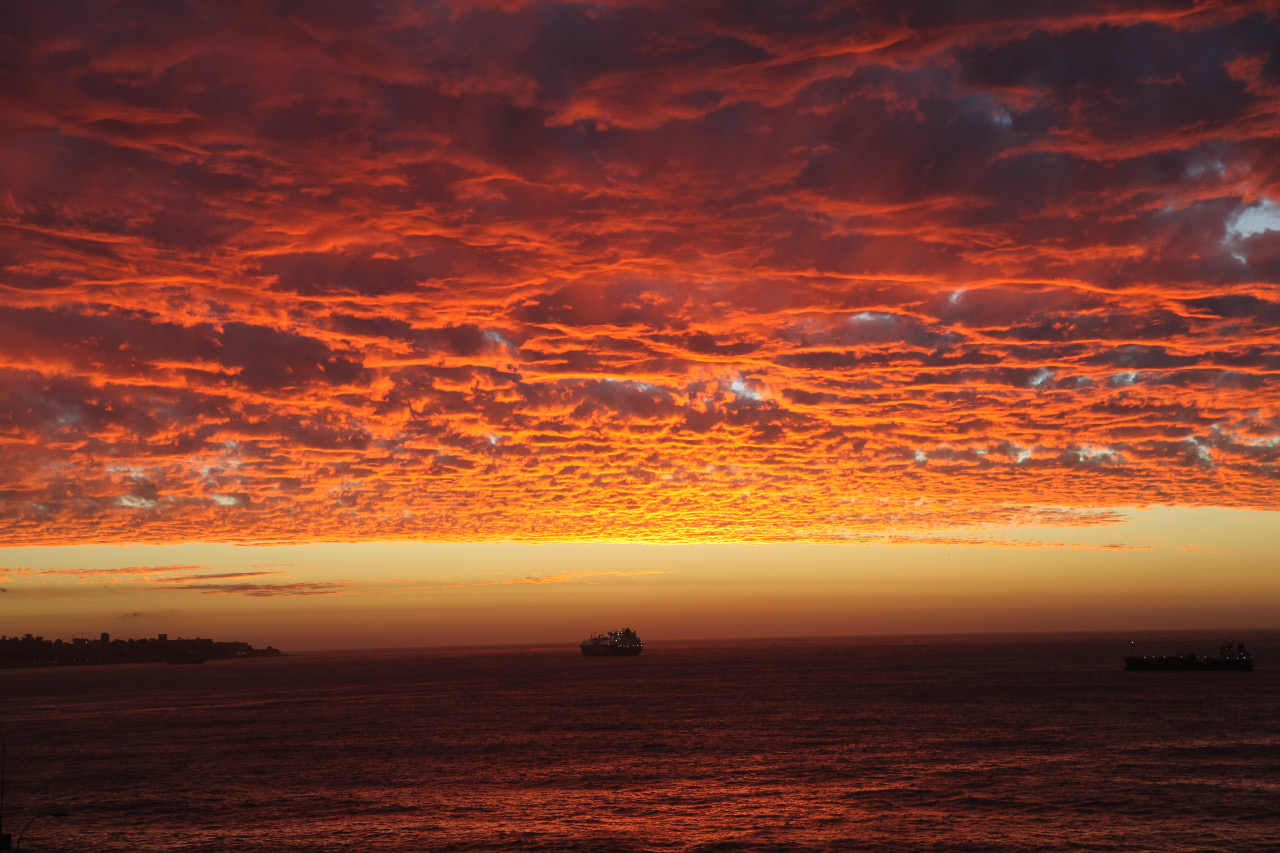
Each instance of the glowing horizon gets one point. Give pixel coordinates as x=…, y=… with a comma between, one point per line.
x=1162, y=569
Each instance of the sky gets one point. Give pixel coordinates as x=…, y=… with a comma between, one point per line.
x=430, y=323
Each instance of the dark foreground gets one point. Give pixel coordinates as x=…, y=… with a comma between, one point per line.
x=1033, y=744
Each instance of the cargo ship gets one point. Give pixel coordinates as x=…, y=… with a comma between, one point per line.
x=1233, y=657
x=613, y=643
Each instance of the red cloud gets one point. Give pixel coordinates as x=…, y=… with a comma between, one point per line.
x=539, y=271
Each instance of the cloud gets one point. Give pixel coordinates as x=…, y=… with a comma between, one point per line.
x=182, y=579
x=543, y=271
x=262, y=590
x=143, y=571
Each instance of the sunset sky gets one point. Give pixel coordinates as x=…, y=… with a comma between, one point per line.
x=334, y=324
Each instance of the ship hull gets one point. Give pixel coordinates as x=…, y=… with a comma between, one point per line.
x=610, y=651
x=1187, y=663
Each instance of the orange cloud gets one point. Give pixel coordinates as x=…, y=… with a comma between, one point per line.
x=260, y=590
x=142, y=571
x=635, y=272
x=187, y=579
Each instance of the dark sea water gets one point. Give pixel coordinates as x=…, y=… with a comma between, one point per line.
x=991, y=744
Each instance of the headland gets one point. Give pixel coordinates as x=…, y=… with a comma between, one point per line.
x=81, y=651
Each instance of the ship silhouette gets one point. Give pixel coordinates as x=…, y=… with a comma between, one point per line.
x=1232, y=657
x=613, y=644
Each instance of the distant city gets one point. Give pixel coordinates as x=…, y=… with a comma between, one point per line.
x=28, y=650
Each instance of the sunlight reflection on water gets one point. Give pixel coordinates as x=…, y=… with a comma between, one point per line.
x=1034, y=744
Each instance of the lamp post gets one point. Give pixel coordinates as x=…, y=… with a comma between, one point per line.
x=51, y=813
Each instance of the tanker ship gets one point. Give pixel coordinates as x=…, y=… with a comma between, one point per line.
x=1231, y=658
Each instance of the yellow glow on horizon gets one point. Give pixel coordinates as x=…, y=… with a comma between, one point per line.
x=1163, y=567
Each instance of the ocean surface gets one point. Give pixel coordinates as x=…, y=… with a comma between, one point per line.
x=968, y=743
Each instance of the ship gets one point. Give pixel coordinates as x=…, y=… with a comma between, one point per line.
x=1233, y=657
x=613, y=644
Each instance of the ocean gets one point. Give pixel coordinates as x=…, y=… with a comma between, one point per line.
x=1034, y=743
